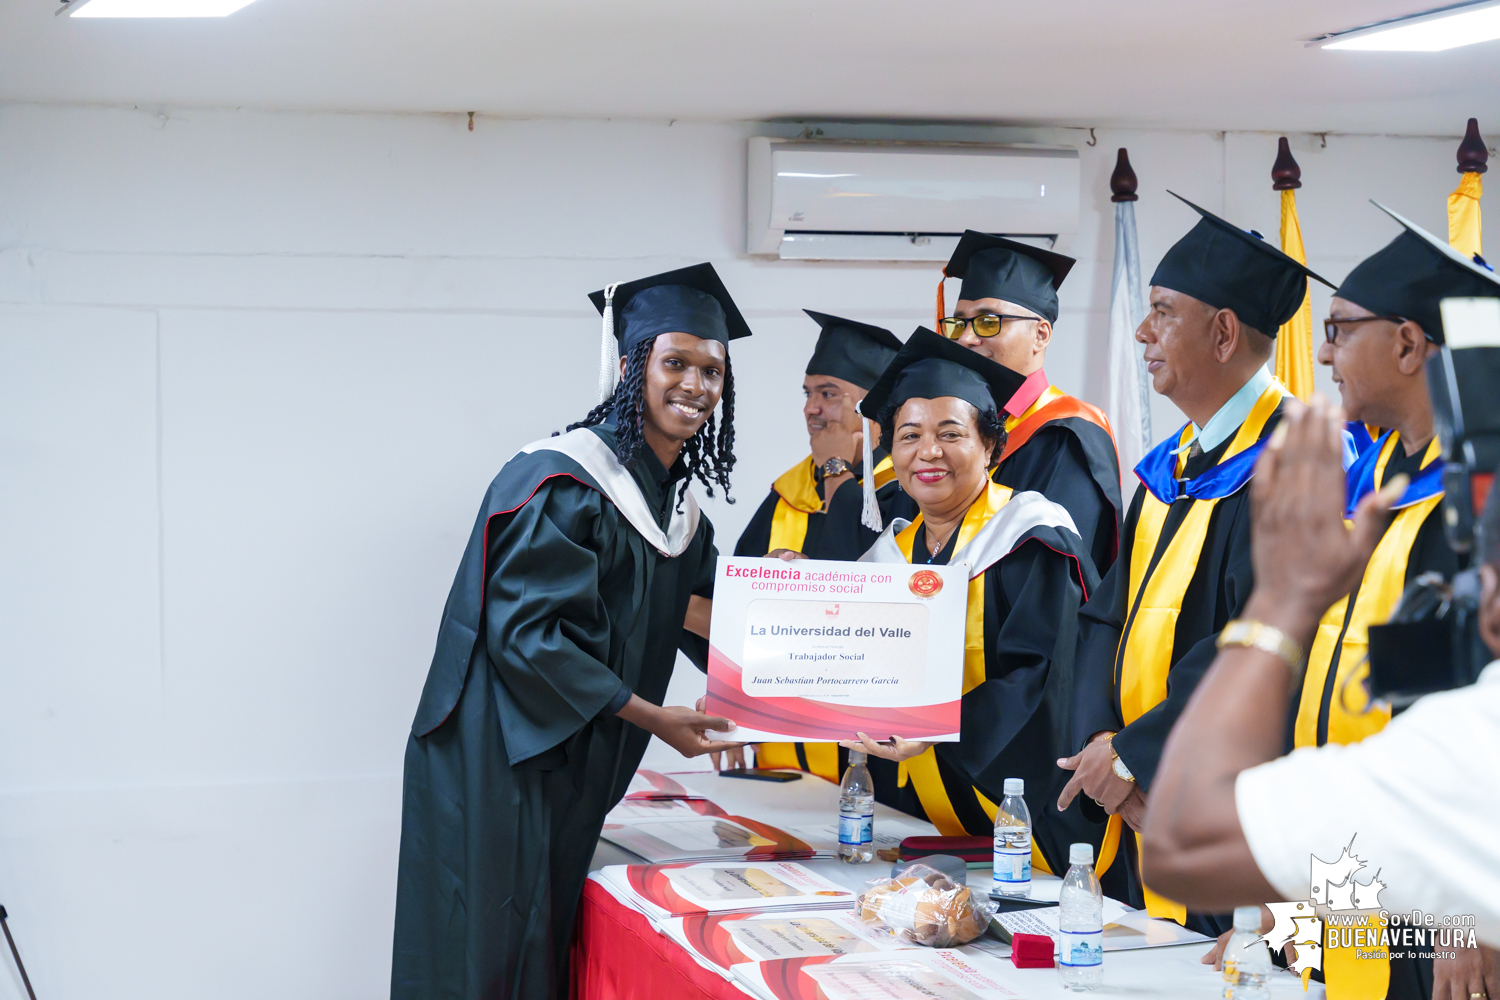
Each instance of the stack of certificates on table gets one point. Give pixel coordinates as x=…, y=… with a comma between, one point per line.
x=652, y=785
x=684, y=834
x=667, y=830
x=665, y=891
x=719, y=941
x=1124, y=929
x=933, y=973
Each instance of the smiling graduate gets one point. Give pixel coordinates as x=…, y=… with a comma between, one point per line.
x=939, y=406
x=556, y=645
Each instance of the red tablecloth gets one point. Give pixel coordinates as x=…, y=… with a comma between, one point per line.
x=618, y=956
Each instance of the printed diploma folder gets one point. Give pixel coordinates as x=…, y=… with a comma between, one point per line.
x=719, y=941
x=662, y=891
x=815, y=650
x=706, y=838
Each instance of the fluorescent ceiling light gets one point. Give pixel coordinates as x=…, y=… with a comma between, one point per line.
x=153, y=8
x=1432, y=31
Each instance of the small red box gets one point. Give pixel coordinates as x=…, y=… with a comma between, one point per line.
x=1031, y=951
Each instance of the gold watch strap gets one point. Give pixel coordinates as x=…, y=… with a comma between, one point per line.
x=1267, y=638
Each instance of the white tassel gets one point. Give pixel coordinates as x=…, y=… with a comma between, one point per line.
x=609, y=348
x=870, y=516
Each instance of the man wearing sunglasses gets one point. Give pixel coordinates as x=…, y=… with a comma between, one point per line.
x=1383, y=324
x=1057, y=445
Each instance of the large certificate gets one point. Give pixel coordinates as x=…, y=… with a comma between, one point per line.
x=815, y=650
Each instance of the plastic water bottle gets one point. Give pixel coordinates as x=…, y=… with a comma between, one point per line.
x=1081, y=920
x=857, y=812
x=1247, y=961
x=1013, y=842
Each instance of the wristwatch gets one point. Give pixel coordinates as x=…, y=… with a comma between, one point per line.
x=1119, y=765
x=836, y=467
x=1266, y=638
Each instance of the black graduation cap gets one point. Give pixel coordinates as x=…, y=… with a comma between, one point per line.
x=1411, y=274
x=1229, y=268
x=855, y=352
x=930, y=367
x=993, y=267
x=688, y=300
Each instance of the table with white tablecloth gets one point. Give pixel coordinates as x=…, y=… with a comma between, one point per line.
x=618, y=955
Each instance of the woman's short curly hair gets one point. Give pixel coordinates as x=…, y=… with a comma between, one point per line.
x=991, y=427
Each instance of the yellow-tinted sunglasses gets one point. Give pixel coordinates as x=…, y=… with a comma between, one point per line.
x=987, y=325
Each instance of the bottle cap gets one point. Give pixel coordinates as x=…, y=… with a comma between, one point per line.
x=1247, y=918
x=1082, y=854
x=1015, y=786
x=857, y=757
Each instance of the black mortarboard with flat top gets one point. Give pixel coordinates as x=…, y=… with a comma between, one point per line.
x=1412, y=274
x=930, y=367
x=993, y=267
x=1228, y=268
x=688, y=300
x=855, y=352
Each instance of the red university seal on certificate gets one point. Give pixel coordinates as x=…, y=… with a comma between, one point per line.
x=925, y=583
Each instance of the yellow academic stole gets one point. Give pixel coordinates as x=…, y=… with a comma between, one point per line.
x=1379, y=590
x=1145, y=654
x=798, y=497
x=1344, y=631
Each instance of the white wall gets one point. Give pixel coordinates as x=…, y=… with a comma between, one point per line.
x=256, y=370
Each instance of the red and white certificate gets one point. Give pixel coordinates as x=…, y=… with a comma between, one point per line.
x=815, y=650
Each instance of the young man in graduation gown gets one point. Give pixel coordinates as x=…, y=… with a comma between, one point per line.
x=1056, y=445
x=555, y=649
x=1383, y=324
x=939, y=406
x=1148, y=633
x=808, y=504
x=816, y=507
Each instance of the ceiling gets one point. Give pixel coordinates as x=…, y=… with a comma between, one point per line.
x=1164, y=63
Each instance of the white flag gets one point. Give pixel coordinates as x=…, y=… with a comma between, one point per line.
x=1127, y=399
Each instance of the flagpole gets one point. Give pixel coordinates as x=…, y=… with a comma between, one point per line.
x=1464, y=230
x=1294, y=346
x=1128, y=389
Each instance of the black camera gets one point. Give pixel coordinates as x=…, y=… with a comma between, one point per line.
x=1432, y=641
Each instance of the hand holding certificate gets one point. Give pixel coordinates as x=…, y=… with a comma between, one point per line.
x=814, y=650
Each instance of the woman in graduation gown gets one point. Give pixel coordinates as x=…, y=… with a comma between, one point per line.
x=937, y=406
x=554, y=653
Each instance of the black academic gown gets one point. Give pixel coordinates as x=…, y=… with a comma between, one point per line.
x=833, y=533
x=1220, y=587
x=559, y=611
x=1411, y=976
x=1017, y=722
x=1072, y=462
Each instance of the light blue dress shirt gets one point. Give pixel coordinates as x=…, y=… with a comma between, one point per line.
x=1233, y=413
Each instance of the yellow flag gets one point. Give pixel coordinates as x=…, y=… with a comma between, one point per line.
x=1294, y=347
x=1463, y=215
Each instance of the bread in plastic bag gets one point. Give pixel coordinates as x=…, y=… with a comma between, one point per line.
x=924, y=906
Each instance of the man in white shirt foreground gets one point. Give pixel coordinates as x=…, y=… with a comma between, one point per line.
x=1228, y=824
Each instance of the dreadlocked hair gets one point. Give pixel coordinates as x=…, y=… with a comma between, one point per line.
x=708, y=454
x=991, y=427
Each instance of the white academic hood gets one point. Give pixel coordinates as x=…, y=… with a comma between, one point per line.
x=855, y=200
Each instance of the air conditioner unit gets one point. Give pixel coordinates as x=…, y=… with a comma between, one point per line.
x=902, y=200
